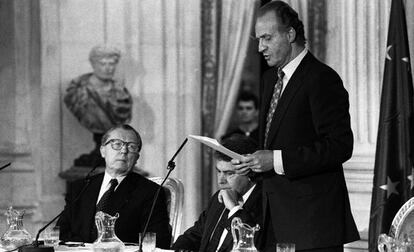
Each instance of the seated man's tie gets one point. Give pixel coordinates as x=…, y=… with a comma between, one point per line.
x=103, y=204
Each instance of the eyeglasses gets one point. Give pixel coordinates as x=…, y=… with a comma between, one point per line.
x=117, y=144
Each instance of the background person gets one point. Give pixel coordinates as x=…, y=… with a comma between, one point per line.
x=118, y=190
x=305, y=136
x=247, y=112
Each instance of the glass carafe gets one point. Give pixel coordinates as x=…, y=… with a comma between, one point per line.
x=107, y=240
x=16, y=235
x=243, y=236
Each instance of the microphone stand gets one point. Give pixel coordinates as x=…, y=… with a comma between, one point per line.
x=4, y=166
x=34, y=247
x=170, y=168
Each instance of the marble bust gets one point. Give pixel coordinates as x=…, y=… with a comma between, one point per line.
x=98, y=100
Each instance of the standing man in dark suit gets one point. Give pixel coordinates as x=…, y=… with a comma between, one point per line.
x=238, y=196
x=118, y=190
x=305, y=136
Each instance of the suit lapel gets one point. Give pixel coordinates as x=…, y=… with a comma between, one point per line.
x=267, y=92
x=211, y=223
x=92, y=193
x=88, y=203
x=288, y=94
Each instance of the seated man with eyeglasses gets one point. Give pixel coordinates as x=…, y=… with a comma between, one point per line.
x=118, y=190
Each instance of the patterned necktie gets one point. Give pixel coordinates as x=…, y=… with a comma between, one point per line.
x=103, y=204
x=218, y=231
x=273, y=103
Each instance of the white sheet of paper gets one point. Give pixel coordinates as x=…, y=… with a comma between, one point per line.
x=213, y=143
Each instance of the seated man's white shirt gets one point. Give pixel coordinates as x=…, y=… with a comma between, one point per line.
x=233, y=211
x=288, y=71
x=106, y=185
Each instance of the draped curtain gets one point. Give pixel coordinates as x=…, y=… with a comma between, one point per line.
x=235, y=28
x=226, y=26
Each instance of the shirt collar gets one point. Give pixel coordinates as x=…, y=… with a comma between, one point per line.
x=108, y=178
x=290, y=68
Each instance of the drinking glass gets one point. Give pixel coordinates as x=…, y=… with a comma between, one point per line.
x=51, y=237
x=148, y=245
x=285, y=247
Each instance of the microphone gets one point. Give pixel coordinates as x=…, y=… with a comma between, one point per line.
x=170, y=168
x=4, y=166
x=34, y=247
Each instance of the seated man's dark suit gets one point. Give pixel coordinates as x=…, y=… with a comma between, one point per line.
x=132, y=200
x=197, y=237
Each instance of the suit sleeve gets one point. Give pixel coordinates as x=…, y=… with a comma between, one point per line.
x=329, y=108
x=191, y=239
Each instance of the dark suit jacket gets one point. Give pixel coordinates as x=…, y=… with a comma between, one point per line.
x=196, y=237
x=311, y=126
x=132, y=200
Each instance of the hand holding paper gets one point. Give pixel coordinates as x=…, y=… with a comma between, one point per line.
x=213, y=143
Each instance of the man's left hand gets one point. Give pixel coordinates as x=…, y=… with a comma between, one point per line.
x=260, y=161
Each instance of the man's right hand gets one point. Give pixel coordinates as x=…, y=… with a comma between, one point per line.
x=229, y=198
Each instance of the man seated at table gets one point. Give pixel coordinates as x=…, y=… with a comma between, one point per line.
x=118, y=190
x=238, y=196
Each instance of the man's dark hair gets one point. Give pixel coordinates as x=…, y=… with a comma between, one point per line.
x=238, y=143
x=124, y=127
x=287, y=16
x=248, y=96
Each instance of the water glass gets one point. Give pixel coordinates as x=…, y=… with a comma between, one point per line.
x=285, y=247
x=51, y=236
x=148, y=245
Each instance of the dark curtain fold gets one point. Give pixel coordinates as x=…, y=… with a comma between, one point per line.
x=209, y=73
